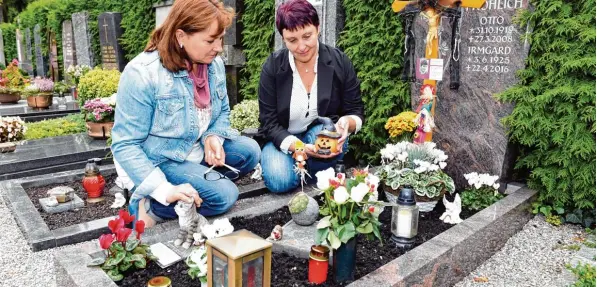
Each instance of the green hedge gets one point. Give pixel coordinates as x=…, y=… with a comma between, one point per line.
x=372, y=39
x=72, y=124
x=10, y=41
x=258, y=41
x=554, y=117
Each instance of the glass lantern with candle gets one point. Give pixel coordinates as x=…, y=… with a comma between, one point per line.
x=239, y=259
x=405, y=219
x=318, y=264
x=93, y=181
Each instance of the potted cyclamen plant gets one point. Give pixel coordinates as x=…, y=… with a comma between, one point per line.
x=419, y=166
x=39, y=93
x=12, y=129
x=197, y=263
x=122, y=252
x=99, y=116
x=11, y=82
x=350, y=207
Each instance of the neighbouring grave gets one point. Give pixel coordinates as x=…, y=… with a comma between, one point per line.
x=69, y=54
x=82, y=36
x=110, y=32
x=40, y=66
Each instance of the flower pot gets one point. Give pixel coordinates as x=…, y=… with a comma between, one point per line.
x=344, y=261
x=99, y=130
x=7, y=147
x=9, y=98
x=40, y=101
x=424, y=203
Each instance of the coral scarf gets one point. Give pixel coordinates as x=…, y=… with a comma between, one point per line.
x=200, y=84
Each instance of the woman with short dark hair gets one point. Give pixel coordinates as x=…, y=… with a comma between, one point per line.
x=172, y=133
x=298, y=84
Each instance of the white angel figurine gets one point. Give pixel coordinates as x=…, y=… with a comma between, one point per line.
x=453, y=209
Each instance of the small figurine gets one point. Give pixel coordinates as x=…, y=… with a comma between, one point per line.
x=218, y=228
x=300, y=157
x=327, y=138
x=276, y=234
x=190, y=223
x=453, y=209
x=62, y=193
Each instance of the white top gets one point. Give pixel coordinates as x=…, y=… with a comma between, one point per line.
x=303, y=105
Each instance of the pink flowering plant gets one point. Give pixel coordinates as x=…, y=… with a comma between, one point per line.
x=350, y=207
x=44, y=85
x=100, y=110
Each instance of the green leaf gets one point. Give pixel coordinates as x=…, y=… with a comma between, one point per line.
x=115, y=275
x=137, y=257
x=560, y=210
x=346, y=232
x=368, y=228
x=96, y=262
x=124, y=266
x=322, y=234
x=141, y=264
x=334, y=240
x=324, y=222
x=139, y=250
x=131, y=244
x=573, y=218
x=376, y=232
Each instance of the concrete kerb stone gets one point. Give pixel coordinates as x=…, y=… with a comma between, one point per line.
x=450, y=256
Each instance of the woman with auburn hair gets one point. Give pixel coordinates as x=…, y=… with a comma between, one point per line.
x=298, y=84
x=172, y=133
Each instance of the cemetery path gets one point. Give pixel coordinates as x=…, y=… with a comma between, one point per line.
x=535, y=256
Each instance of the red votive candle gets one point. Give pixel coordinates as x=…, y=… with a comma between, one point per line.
x=318, y=264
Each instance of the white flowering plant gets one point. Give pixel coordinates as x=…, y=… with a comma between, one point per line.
x=349, y=207
x=77, y=71
x=12, y=129
x=417, y=165
x=482, y=192
x=197, y=263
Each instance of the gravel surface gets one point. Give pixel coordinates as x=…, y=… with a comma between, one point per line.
x=534, y=257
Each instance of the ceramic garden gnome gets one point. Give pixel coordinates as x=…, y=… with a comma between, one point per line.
x=304, y=209
x=327, y=138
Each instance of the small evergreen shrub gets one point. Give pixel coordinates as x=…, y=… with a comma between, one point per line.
x=72, y=124
x=98, y=83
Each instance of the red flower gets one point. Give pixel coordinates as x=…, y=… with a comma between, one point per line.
x=123, y=234
x=115, y=224
x=126, y=216
x=334, y=183
x=15, y=62
x=339, y=176
x=140, y=228
x=106, y=240
x=371, y=209
x=372, y=188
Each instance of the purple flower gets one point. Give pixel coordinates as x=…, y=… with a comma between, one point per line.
x=44, y=85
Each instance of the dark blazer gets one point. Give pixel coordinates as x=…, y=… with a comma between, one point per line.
x=338, y=91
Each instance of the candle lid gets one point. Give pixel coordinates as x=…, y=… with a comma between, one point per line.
x=160, y=281
x=407, y=196
x=319, y=252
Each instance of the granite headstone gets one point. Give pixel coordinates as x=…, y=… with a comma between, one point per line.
x=28, y=65
x=54, y=70
x=468, y=119
x=109, y=32
x=2, y=57
x=82, y=36
x=161, y=11
x=40, y=66
x=331, y=21
x=69, y=54
x=20, y=47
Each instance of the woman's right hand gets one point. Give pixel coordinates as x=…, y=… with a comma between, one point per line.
x=185, y=192
x=310, y=150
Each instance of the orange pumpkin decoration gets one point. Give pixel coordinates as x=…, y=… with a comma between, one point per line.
x=327, y=142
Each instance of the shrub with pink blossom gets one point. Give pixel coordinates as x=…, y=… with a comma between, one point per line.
x=100, y=109
x=45, y=85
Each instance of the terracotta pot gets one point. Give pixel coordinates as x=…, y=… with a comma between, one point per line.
x=7, y=147
x=6, y=98
x=99, y=130
x=40, y=101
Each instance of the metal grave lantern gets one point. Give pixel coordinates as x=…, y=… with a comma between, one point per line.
x=239, y=259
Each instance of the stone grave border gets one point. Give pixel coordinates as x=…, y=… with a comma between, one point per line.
x=40, y=237
x=443, y=260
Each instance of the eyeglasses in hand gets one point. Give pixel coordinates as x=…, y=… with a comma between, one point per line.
x=213, y=175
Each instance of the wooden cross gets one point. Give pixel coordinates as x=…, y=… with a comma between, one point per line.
x=432, y=11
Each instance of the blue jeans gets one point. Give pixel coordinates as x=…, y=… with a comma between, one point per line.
x=278, y=167
x=219, y=195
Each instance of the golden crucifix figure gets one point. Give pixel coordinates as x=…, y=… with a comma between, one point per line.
x=432, y=10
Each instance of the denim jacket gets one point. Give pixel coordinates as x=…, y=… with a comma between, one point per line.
x=156, y=119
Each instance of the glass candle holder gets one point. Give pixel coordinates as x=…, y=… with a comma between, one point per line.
x=318, y=264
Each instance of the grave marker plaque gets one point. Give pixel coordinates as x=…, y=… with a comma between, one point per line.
x=110, y=31
x=28, y=64
x=40, y=66
x=82, y=39
x=490, y=52
x=69, y=54
x=54, y=70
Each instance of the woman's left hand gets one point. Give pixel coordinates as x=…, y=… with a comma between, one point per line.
x=342, y=127
x=214, y=152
